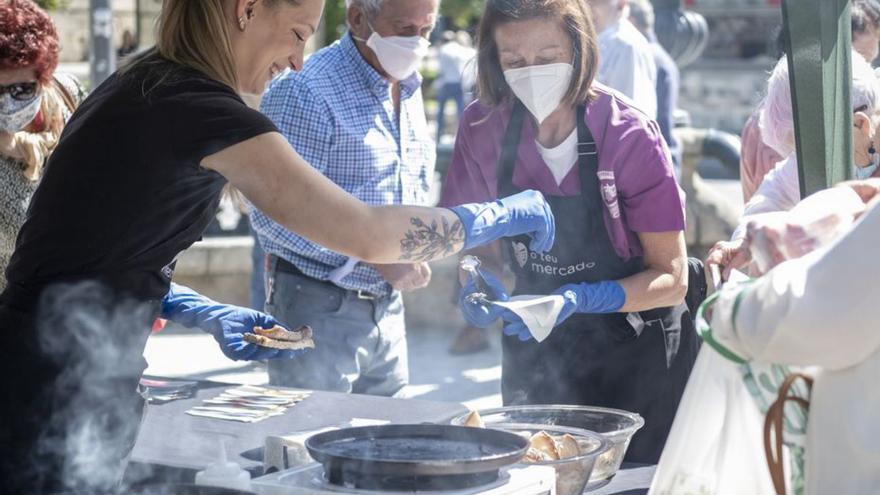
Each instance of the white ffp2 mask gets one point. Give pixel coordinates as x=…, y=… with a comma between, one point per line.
x=399, y=56
x=540, y=88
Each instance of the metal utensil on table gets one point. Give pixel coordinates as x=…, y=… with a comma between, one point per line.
x=471, y=265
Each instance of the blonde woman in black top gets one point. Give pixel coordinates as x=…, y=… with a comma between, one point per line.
x=134, y=181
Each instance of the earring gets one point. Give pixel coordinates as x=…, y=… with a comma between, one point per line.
x=241, y=23
x=872, y=150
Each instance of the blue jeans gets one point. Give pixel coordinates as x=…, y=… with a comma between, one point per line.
x=360, y=344
x=448, y=91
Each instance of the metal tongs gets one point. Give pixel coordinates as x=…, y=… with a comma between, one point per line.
x=471, y=264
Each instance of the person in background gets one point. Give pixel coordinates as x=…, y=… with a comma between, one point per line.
x=866, y=28
x=815, y=311
x=129, y=45
x=780, y=189
x=624, y=337
x=454, y=56
x=627, y=59
x=641, y=15
x=763, y=147
x=35, y=104
x=356, y=114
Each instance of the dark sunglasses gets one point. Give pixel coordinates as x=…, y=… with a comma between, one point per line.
x=20, y=91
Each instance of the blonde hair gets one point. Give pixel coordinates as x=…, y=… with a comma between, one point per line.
x=196, y=34
x=33, y=148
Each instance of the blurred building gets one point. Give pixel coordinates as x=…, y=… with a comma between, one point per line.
x=722, y=88
x=73, y=25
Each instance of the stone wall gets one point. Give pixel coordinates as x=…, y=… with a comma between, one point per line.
x=722, y=94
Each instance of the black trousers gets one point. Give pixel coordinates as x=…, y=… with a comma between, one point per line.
x=69, y=407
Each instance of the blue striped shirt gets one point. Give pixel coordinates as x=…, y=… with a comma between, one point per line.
x=339, y=115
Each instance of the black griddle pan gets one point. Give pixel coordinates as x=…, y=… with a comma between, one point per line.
x=415, y=457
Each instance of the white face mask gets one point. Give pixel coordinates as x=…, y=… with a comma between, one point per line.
x=540, y=88
x=15, y=115
x=399, y=56
x=862, y=173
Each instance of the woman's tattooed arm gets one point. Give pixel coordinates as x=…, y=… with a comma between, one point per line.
x=429, y=242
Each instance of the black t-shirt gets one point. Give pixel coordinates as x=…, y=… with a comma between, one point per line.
x=123, y=193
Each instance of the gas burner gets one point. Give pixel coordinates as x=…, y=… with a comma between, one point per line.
x=310, y=479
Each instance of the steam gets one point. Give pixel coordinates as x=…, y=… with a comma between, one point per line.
x=96, y=340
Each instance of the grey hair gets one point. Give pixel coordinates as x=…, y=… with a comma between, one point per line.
x=642, y=14
x=371, y=7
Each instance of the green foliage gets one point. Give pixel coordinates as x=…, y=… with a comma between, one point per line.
x=52, y=4
x=462, y=13
x=334, y=19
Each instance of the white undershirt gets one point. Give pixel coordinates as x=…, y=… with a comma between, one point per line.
x=561, y=159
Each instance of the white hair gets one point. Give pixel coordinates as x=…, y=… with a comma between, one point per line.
x=776, y=119
x=371, y=7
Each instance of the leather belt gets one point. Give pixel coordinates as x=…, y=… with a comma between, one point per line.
x=285, y=266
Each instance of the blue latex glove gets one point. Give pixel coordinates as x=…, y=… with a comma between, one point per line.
x=479, y=314
x=524, y=213
x=226, y=323
x=596, y=298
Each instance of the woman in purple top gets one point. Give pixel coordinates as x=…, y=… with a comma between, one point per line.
x=624, y=337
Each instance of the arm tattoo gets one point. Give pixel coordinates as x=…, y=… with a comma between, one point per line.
x=428, y=242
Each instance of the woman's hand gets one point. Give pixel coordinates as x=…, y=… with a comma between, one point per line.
x=586, y=298
x=729, y=256
x=480, y=313
x=868, y=190
x=226, y=323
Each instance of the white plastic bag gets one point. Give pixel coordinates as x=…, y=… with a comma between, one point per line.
x=716, y=443
x=814, y=223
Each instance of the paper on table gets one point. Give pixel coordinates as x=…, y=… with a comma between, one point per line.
x=538, y=313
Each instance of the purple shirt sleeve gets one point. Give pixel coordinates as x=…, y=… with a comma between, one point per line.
x=465, y=179
x=649, y=195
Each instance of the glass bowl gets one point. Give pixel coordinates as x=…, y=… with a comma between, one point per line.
x=617, y=426
x=572, y=473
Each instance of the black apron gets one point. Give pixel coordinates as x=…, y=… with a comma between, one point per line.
x=638, y=362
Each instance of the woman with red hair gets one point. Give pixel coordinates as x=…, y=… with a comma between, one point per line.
x=34, y=106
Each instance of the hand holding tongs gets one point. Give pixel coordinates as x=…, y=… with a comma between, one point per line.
x=471, y=264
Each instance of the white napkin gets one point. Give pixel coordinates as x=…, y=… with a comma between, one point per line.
x=539, y=313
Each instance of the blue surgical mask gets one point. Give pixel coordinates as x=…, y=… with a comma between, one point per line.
x=862, y=173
